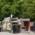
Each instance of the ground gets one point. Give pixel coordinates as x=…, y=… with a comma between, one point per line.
x=23, y=33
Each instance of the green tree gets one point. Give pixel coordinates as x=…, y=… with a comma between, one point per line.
x=19, y=8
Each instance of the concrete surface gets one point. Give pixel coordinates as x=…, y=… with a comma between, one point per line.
x=24, y=33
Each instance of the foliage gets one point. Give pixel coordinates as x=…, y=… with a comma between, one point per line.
x=19, y=8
